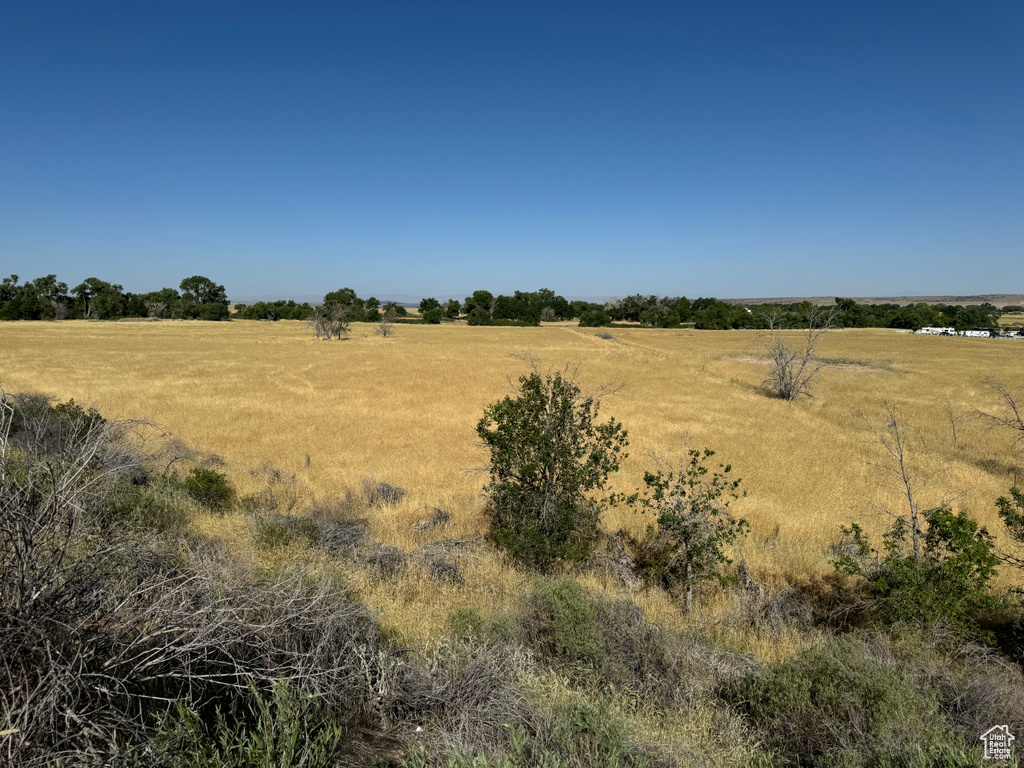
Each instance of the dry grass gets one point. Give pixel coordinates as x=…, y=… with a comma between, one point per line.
x=404, y=410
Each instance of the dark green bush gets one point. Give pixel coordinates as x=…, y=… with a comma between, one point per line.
x=479, y=316
x=847, y=702
x=594, y=318
x=549, y=455
x=945, y=580
x=209, y=487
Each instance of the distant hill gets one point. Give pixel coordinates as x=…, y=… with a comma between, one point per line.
x=996, y=299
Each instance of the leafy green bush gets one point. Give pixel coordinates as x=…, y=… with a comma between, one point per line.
x=694, y=523
x=944, y=580
x=209, y=487
x=594, y=318
x=548, y=455
x=479, y=316
x=469, y=622
x=1011, y=512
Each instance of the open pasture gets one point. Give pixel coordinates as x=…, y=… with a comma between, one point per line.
x=404, y=410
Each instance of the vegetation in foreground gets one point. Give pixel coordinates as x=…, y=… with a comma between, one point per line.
x=131, y=638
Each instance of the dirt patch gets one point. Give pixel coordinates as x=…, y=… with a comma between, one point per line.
x=839, y=365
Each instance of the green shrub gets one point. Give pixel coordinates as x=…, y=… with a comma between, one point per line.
x=479, y=316
x=944, y=578
x=561, y=623
x=469, y=622
x=577, y=734
x=694, y=523
x=847, y=702
x=147, y=506
x=594, y=318
x=281, y=730
x=581, y=733
x=209, y=487
x=433, y=316
x=273, y=531
x=606, y=645
x=549, y=455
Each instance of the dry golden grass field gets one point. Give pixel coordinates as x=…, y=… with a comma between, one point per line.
x=404, y=409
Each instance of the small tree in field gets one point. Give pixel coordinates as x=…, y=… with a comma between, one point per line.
x=694, y=522
x=387, y=324
x=549, y=454
x=329, y=321
x=793, y=366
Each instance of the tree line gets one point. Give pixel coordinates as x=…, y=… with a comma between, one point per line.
x=47, y=298
x=198, y=297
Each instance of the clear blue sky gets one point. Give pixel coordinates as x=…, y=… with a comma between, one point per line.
x=711, y=148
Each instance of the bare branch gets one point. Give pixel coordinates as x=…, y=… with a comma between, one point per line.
x=1012, y=414
x=793, y=368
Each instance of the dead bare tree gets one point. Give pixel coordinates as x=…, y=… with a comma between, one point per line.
x=792, y=367
x=387, y=324
x=956, y=419
x=157, y=309
x=1011, y=414
x=329, y=322
x=903, y=473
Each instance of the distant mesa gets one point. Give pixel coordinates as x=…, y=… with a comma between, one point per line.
x=997, y=299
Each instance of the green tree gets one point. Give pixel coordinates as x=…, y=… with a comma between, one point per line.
x=482, y=299
x=202, y=290
x=479, y=316
x=428, y=304
x=393, y=309
x=433, y=316
x=694, y=522
x=660, y=317
x=452, y=308
x=594, y=318
x=549, y=456
x=345, y=304
x=86, y=292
